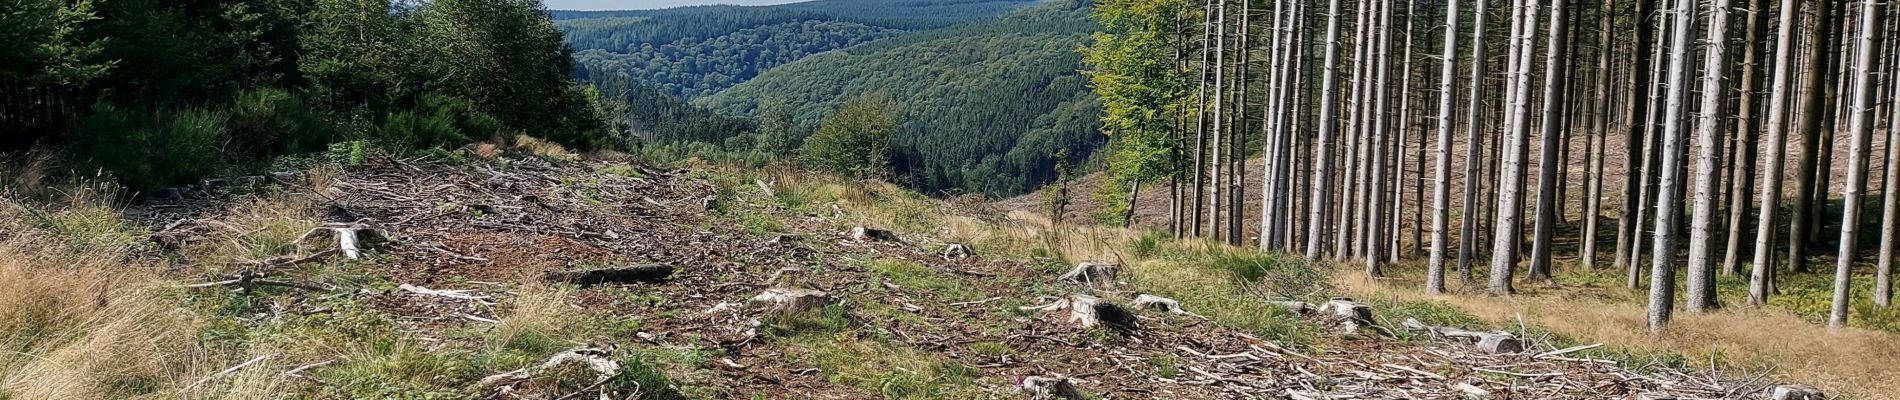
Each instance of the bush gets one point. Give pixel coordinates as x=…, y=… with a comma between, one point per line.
x=855, y=140
x=435, y=121
x=153, y=148
x=272, y=121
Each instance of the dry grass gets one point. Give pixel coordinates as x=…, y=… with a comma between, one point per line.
x=542, y=148
x=1856, y=362
x=81, y=317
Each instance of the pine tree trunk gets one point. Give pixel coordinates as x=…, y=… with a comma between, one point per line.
x=1238, y=143
x=1468, y=225
x=1396, y=221
x=1890, y=202
x=1811, y=138
x=1322, y=181
x=1593, y=189
x=1700, y=286
x=1861, y=127
x=1635, y=129
x=1510, y=210
x=1760, y=276
x=1662, y=275
x=1441, y=168
x=1652, y=152
x=1750, y=120
x=1554, y=79
x=1271, y=136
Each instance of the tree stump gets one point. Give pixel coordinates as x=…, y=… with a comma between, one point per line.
x=1796, y=392
x=649, y=273
x=1487, y=342
x=787, y=301
x=1351, y=314
x=1040, y=388
x=1093, y=274
x=863, y=234
x=958, y=251
x=1087, y=311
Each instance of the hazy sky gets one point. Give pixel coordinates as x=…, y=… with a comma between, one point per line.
x=648, y=4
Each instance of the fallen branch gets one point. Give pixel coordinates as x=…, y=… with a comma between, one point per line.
x=453, y=294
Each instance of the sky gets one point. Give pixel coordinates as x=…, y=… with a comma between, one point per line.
x=648, y=4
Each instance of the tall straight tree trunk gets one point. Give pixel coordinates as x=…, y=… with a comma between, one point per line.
x=1352, y=186
x=1441, y=168
x=1468, y=226
x=1662, y=281
x=1322, y=181
x=1214, y=134
x=1510, y=210
x=1636, y=105
x=1200, y=123
x=1271, y=132
x=1750, y=120
x=1700, y=286
x=1238, y=143
x=1811, y=137
x=1593, y=190
x=1890, y=204
x=1652, y=151
x=1395, y=244
x=1375, y=173
x=1862, y=128
x=1761, y=275
x=1554, y=78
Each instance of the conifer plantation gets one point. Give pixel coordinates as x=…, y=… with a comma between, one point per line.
x=1677, y=143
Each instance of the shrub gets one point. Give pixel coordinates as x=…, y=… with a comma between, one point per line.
x=271, y=121
x=153, y=148
x=855, y=140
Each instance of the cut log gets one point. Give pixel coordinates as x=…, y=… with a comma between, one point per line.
x=1161, y=303
x=1351, y=314
x=786, y=301
x=1041, y=388
x=1795, y=392
x=1654, y=396
x=863, y=234
x=1496, y=342
x=958, y=251
x=1093, y=274
x=648, y=273
x=600, y=361
x=1087, y=311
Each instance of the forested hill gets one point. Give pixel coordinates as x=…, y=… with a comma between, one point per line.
x=696, y=51
x=984, y=106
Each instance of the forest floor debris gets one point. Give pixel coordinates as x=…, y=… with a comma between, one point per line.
x=840, y=289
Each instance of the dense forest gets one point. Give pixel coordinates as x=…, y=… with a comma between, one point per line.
x=697, y=51
x=1712, y=139
x=984, y=107
x=694, y=68
x=159, y=93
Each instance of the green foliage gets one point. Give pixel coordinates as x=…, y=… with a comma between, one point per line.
x=691, y=68
x=985, y=104
x=162, y=92
x=272, y=121
x=777, y=134
x=153, y=148
x=1131, y=70
x=855, y=140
